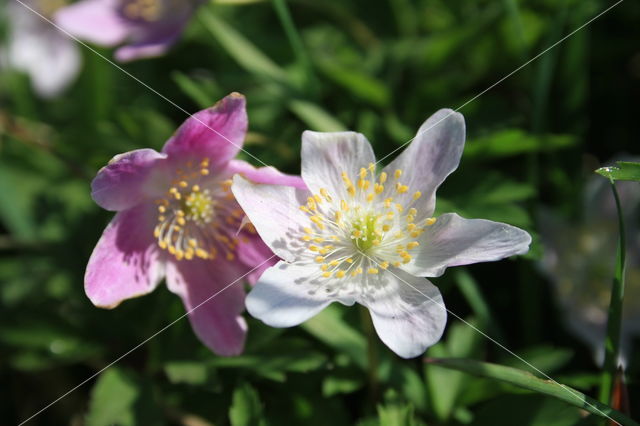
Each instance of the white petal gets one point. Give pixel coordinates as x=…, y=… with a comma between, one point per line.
x=274, y=210
x=407, y=311
x=326, y=155
x=434, y=153
x=454, y=241
x=288, y=294
x=51, y=59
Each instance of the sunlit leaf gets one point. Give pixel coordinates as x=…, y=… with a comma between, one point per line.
x=625, y=170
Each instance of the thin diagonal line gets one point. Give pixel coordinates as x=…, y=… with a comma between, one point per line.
x=503, y=78
x=500, y=345
x=145, y=85
x=143, y=342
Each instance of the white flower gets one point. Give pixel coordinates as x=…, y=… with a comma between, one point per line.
x=360, y=236
x=36, y=47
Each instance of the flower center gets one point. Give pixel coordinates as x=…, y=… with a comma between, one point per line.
x=189, y=216
x=365, y=231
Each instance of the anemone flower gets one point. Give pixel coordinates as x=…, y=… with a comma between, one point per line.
x=34, y=46
x=177, y=218
x=579, y=260
x=147, y=28
x=358, y=236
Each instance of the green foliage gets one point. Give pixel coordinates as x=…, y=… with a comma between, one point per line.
x=379, y=68
x=625, y=170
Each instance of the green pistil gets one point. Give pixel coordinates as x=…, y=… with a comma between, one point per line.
x=366, y=229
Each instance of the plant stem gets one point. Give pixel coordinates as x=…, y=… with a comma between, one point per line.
x=372, y=354
x=612, y=341
x=282, y=9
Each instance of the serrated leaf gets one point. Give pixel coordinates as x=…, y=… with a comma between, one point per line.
x=625, y=170
x=530, y=382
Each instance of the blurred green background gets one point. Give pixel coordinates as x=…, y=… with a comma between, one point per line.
x=380, y=68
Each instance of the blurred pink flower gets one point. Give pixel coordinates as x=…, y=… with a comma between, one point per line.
x=37, y=48
x=177, y=218
x=147, y=28
x=579, y=260
x=359, y=236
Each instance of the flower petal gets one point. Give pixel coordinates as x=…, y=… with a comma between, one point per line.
x=129, y=179
x=216, y=133
x=268, y=175
x=325, y=156
x=287, y=295
x=213, y=295
x=96, y=21
x=125, y=262
x=407, y=312
x=274, y=210
x=255, y=254
x=51, y=59
x=434, y=153
x=454, y=241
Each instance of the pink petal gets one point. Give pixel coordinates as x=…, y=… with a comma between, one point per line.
x=125, y=262
x=213, y=295
x=96, y=21
x=269, y=175
x=434, y=153
x=216, y=133
x=141, y=51
x=255, y=254
x=129, y=179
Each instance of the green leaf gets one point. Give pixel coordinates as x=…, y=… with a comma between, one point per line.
x=530, y=410
x=625, y=170
x=528, y=381
x=506, y=143
x=395, y=412
x=246, y=409
x=331, y=329
x=121, y=398
x=241, y=49
x=203, y=93
x=446, y=386
x=315, y=117
x=189, y=372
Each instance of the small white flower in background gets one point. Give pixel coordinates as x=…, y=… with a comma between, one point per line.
x=579, y=260
x=359, y=236
x=37, y=48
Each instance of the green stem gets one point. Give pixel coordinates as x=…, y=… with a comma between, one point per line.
x=282, y=9
x=612, y=341
x=372, y=354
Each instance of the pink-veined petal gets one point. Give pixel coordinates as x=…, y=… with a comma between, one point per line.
x=96, y=21
x=255, y=254
x=454, y=241
x=126, y=262
x=407, y=312
x=213, y=295
x=325, y=156
x=216, y=133
x=129, y=179
x=288, y=294
x=274, y=210
x=268, y=175
x=434, y=153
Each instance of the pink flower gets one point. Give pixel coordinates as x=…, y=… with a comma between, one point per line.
x=177, y=218
x=359, y=236
x=146, y=27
